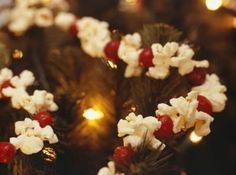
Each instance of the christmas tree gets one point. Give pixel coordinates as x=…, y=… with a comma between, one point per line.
x=88, y=79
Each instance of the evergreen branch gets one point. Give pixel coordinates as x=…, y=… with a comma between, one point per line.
x=159, y=33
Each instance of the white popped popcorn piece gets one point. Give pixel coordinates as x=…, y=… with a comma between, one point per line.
x=183, y=61
x=135, y=129
x=64, y=20
x=19, y=96
x=5, y=74
x=30, y=136
x=202, y=125
x=129, y=50
x=162, y=58
x=27, y=144
x=43, y=17
x=27, y=13
x=21, y=18
x=40, y=101
x=214, y=91
x=25, y=79
x=94, y=35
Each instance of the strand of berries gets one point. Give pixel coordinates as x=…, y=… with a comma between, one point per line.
x=31, y=133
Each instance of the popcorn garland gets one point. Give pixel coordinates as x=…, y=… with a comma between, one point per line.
x=193, y=111
x=96, y=41
x=27, y=13
x=31, y=134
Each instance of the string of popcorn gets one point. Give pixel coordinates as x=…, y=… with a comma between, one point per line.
x=31, y=133
x=96, y=41
x=27, y=13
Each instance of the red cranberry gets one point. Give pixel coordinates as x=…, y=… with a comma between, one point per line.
x=123, y=155
x=166, y=130
x=197, y=76
x=145, y=58
x=204, y=105
x=7, y=152
x=73, y=29
x=111, y=50
x=44, y=118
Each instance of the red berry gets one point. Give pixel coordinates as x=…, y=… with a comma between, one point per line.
x=204, y=105
x=44, y=118
x=7, y=152
x=111, y=50
x=73, y=29
x=197, y=76
x=4, y=85
x=166, y=130
x=123, y=155
x=145, y=58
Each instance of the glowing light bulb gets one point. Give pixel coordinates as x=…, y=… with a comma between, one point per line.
x=234, y=22
x=92, y=114
x=17, y=54
x=112, y=65
x=213, y=4
x=132, y=2
x=195, y=138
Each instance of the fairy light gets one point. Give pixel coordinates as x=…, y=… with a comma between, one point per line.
x=213, y=4
x=130, y=5
x=112, y=65
x=49, y=154
x=17, y=54
x=194, y=138
x=234, y=22
x=92, y=114
x=131, y=2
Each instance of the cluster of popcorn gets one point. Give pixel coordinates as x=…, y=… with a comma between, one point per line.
x=214, y=91
x=94, y=34
x=196, y=109
x=135, y=129
x=160, y=59
x=27, y=13
x=31, y=134
x=41, y=100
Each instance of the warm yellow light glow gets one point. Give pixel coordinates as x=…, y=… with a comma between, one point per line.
x=194, y=137
x=234, y=22
x=112, y=65
x=213, y=4
x=17, y=54
x=92, y=114
x=132, y=2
